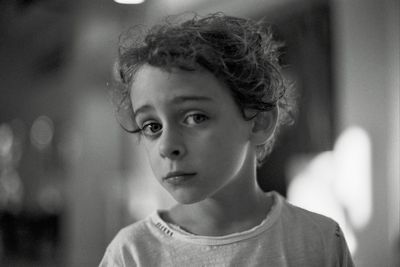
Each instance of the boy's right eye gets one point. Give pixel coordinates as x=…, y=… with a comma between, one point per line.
x=151, y=129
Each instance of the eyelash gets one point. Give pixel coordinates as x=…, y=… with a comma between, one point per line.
x=142, y=130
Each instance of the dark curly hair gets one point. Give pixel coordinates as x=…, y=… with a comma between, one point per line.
x=240, y=52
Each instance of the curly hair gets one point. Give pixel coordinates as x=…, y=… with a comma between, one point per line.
x=240, y=52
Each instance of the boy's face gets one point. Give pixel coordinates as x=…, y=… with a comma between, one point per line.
x=196, y=139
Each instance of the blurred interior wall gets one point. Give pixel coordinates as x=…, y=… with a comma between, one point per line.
x=248, y=8
x=92, y=171
x=366, y=36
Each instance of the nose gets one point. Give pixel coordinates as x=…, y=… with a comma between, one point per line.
x=171, y=144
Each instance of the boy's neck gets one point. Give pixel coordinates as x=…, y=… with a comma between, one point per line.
x=229, y=212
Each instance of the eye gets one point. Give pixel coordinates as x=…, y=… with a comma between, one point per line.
x=196, y=118
x=151, y=129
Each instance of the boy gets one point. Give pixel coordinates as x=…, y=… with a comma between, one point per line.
x=205, y=97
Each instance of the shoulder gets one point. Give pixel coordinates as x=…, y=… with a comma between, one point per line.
x=315, y=232
x=132, y=232
x=304, y=226
x=124, y=248
x=137, y=235
x=303, y=218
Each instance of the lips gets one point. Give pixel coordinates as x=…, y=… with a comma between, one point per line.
x=178, y=177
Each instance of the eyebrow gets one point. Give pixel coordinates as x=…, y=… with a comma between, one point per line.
x=180, y=99
x=177, y=100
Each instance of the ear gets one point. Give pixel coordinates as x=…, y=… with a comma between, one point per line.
x=264, y=125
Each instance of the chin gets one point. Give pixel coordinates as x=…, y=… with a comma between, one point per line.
x=187, y=199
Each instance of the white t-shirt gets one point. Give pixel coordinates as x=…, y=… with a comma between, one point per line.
x=288, y=236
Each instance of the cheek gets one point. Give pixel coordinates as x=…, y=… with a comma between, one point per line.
x=152, y=156
x=222, y=147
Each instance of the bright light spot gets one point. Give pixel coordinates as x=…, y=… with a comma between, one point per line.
x=6, y=140
x=129, y=1
x=313, y=189
x=19, y=130
x=11, y=190
x=353, y=185
x=337, y=183
x=42, y=132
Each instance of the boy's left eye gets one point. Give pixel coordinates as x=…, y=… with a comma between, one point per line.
x=195, y=119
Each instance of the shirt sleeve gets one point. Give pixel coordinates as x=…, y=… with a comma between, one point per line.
x=338, y=251
x=115, y=257
x=109, y=260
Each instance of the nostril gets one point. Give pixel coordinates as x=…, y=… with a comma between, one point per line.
x=171, y=149
x=176, y=152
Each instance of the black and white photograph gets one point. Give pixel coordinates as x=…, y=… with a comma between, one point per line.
x=199, y=133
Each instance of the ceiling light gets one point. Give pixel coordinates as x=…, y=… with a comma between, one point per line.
x=129, y=1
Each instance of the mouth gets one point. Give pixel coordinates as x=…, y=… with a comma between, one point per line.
x=178, y=177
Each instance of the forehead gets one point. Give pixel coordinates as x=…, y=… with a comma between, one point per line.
x=154, y=86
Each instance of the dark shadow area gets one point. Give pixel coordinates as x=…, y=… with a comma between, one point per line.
x=308, y=58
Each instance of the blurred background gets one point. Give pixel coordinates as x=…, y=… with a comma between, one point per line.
x=70, y=178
